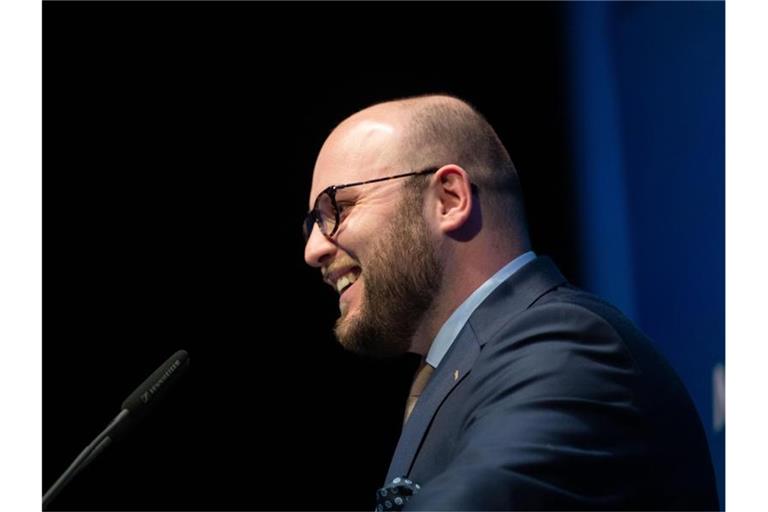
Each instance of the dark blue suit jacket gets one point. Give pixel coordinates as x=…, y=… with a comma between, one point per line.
x=550, y=398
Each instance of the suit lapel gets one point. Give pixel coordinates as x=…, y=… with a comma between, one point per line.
x=512, y=296
x=452, y=369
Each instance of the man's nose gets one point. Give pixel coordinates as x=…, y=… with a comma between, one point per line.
x=318, y=248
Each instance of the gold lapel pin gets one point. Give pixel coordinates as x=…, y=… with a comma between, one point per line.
x=455, y=374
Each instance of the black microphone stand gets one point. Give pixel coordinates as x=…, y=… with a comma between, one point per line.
x=86, y=457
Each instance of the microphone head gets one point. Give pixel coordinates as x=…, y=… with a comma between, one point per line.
x=157, y=385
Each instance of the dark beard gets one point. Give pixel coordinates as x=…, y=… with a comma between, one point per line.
x=402, y=278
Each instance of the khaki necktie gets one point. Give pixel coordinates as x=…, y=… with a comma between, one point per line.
x=419, y=383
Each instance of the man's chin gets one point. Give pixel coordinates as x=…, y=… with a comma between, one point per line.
x=345, y=333
x=356, y=338
x=345, y=324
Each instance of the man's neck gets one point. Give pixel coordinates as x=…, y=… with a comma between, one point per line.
x=459, y=282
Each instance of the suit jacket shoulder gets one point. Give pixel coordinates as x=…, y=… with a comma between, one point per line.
x=550, y=398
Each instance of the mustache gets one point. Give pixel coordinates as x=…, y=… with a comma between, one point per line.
x=338, y=265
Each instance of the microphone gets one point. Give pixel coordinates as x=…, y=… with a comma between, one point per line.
x=135, y=407
x=157, y=385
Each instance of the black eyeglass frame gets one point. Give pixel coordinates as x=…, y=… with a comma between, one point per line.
x=315, y=217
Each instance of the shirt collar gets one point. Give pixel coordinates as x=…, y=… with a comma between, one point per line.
x=451, y=328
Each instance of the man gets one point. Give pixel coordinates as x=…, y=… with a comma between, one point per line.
x=536, y=395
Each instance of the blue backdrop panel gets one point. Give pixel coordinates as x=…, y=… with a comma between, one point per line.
x=648, y=126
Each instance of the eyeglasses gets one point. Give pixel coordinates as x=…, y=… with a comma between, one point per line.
x=326, y=213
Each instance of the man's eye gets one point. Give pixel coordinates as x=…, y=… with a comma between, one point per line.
x=343, y=209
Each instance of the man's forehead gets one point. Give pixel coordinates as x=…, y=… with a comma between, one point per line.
x=356, y=152
x=338, y=175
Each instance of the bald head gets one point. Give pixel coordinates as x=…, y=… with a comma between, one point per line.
x=419, y=132
x=367, y=145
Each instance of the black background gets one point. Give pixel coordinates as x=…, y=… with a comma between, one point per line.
x=179, y=141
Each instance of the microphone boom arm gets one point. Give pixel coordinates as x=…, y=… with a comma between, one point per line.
x=86, y=456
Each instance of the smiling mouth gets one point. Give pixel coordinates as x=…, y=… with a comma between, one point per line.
x=347, y=280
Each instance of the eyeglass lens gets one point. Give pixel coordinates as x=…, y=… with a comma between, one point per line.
x=324, y=213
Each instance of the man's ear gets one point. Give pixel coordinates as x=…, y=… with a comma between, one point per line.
x=453, y=198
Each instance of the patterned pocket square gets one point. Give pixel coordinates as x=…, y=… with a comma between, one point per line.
x=395, y=495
